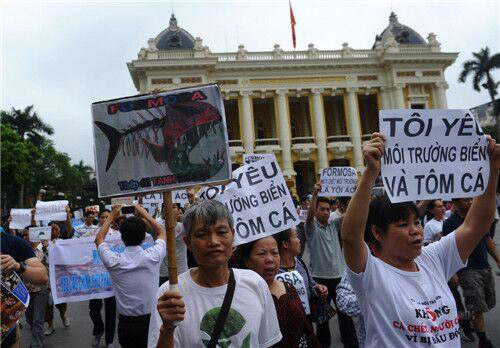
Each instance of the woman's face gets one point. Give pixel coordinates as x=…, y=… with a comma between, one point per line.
x=294, y=244
x=265, y=258
x=403, y=239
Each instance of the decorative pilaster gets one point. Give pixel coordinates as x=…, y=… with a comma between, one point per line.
x=320, y=129
x=247, y=121
x=354, y=127
x=397, y=95
x=284, y=134
x=440, y=95
x=385, y=97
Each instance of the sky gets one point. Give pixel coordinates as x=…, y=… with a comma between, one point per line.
x=61, y=56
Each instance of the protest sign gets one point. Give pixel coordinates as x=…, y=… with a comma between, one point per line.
x=258, y=199
x=14, y=299
x=37, y=234
x=433, y=154
x=155, y=200
x=122, y=200
x=93, y=209
x=78, y=214
x=297, y=281
x=51, y=211
x=76, y=270
x=254, y=157
x=20, y=218
x=159, y=142
x=338, y=182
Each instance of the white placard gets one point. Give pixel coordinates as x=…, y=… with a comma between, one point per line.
x=297, y=281
x=433, y=154
x=78, y=214
x=250, y=158
x=51, y=211
x=156, y=200
x=258, y=200
x=122, y=200
x=164, y=141
x=338, y=182
x=20, y=218
x=37, y=234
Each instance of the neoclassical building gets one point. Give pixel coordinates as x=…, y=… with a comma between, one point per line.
x=312, y=109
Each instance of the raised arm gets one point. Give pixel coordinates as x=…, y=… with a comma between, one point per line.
x=311, y=210
x=159, y=230
x=103, y=231
x=356, y=216
x=480, y=216
x=69, y=227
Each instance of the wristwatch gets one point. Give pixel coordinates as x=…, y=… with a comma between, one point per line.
x=22, y=267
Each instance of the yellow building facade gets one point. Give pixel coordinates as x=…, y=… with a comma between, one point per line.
x=313, y=109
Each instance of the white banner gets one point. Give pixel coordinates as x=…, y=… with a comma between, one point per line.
x=76, y=270
x=20, y=218
x=433, y=154
x=338, y=182
x=250, y=158
x=51, y=211
x=155, y=200
x=258, y=199
x=297, y=281
x=37, y=234
x=157, y=142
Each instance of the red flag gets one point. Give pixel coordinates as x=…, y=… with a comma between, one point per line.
x=292, y=23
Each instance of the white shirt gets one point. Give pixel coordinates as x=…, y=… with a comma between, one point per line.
x=410, y=309
x=251, y=322
x=134, y=274
x=181, y=251
x=84, y=229
x=334, y=215
x=432, y=229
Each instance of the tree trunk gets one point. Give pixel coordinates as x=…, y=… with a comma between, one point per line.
x=21, y=196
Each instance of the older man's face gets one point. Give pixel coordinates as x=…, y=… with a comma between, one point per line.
x=211, y=245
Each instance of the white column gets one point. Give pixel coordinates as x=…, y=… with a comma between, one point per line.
x=319, y=128
x=440, y=95
x=385, y=97
x=284, y=134
x=398, y=98
x=247, y=121
x=354, y=127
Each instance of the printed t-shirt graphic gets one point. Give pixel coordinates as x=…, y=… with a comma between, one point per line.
x=233, y=325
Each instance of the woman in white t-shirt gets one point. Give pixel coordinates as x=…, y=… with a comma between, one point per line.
x=434, y=227
x=403, y=293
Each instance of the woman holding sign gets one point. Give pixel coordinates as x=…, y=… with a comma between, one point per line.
x=403, y=293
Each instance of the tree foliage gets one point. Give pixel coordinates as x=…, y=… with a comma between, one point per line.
x=30, y=162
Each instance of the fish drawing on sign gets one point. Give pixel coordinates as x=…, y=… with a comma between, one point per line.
x=183, y=126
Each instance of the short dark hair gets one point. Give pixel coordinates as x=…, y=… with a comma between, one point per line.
x=87, y=213
x=382, y=212
x=343, y=200
x=323, y=200
x=283, y=236
x=133, y=231
x=303, y=199
x=242, y=254
x=104, y=211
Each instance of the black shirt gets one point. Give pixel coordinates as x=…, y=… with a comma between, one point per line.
x=478, y=259
x=18, y=248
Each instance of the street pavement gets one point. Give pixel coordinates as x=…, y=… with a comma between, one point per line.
x=79, y=334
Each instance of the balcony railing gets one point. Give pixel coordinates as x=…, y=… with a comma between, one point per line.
x=302, y=140
x=338, y=138
x=235, y=143
x=268, y=141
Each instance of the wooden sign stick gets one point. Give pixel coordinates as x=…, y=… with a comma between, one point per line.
x=171, y=251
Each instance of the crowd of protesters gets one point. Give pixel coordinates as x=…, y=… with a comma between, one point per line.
x=388, y=271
